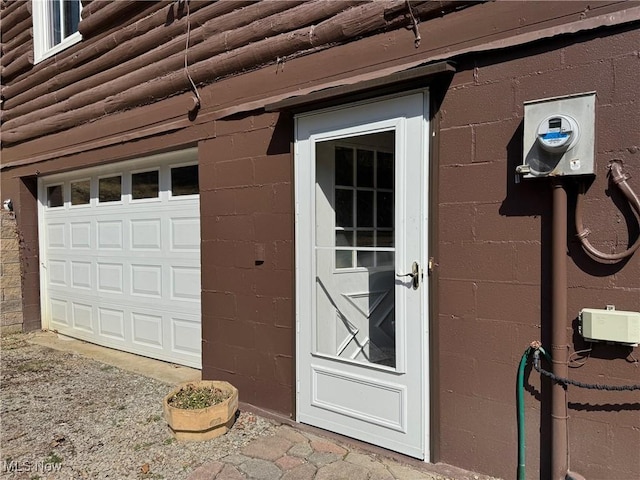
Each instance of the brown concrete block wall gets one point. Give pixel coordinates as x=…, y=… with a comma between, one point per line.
x=494, y=295
x=27, y=213
x=247, y=259
x=11, y=317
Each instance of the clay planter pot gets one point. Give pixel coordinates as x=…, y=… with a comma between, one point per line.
x=202, y=423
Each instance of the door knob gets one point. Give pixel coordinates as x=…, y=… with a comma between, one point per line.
x=415, y=275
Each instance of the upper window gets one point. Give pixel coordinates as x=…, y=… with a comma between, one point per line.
x=81, y=192
x=145, y=185
x=184, y=180
x=54, y=196
x=110, y=189
x=55, y=26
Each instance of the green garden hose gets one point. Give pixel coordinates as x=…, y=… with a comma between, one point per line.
x=520, y=406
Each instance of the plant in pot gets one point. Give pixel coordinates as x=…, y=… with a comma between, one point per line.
x=201, y=410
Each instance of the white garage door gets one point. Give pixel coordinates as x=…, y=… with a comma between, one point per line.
x=120, y=256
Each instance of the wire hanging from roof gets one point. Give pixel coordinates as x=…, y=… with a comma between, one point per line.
x=198, y=100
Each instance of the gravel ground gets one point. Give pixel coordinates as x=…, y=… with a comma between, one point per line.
x=65, y=416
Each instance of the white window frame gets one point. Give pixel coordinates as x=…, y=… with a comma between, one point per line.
x=41, y=32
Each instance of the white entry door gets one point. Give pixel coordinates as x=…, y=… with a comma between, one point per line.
x=360, y=251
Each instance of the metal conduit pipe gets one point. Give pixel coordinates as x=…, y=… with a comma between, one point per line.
x=559, y=338
x=559, y=345
x=619, y=178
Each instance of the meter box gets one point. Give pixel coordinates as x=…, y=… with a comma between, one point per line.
x=610, y=326
x=559, y=136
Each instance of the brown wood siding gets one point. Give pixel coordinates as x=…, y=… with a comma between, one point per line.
x=449, y=34
x=16, y=37
x=124, y=63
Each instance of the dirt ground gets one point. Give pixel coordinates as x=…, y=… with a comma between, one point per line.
x=65, y=416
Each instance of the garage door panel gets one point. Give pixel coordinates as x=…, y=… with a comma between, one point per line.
x=59, y=311
x=185, y=233
x=111, y=323
x=146, y=280
x=123, y=273
x=82, y=315
x=110, y=277
x=81, y=275
x=110, y=234
x=81, y=235
x=57, y=272
x=185, y=283
x=56, y=235
x=147, y=329
x=146, y=234
x=185, y=334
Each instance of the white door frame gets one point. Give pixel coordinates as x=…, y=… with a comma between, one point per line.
x=304, y=181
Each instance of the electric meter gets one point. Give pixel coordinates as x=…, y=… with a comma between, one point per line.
x=559, y=136
x=558, y=133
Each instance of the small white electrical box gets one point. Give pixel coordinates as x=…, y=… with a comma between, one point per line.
x=559, y=136
x=610, y=326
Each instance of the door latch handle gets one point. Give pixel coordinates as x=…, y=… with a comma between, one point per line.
x=415, y=275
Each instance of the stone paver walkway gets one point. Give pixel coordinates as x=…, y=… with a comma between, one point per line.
x=296, y=455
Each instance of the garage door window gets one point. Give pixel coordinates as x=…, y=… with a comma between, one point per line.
x=81, y=192
x=145, y=185
x=110, y=189
x=184, y=180
x=54, y=196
